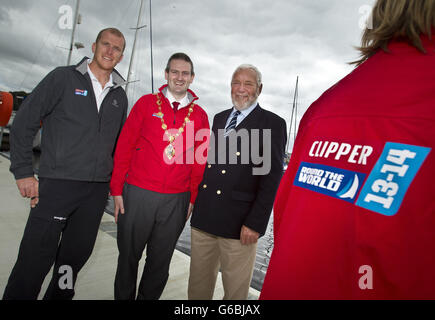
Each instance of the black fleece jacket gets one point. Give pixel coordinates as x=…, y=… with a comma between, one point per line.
x=77, y=141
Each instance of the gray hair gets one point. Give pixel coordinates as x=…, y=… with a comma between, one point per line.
x=250, y=67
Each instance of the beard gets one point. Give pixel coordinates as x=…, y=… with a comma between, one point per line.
x=244, y=105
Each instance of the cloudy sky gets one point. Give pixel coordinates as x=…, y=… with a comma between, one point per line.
x=312, y=39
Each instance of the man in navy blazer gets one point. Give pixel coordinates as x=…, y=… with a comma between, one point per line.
x=236, y=195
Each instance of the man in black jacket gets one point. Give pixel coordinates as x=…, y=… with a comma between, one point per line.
x=82, y=109
x=235, y=197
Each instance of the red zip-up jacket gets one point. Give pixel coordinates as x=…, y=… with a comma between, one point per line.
x=354, y=216
x=140, y=159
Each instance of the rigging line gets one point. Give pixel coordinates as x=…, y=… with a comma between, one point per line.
x=133, y=60
x=139, y=65
x=296, y=115
x=292, y=114
x=135, y=71
x=78, y=31
x=43, y=44
x=134, y=65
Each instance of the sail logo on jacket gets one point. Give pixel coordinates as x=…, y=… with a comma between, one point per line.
x=330, y=149
x=158, y=115
x=391, y=177
x=334, y=182
x=80, y=92
x=386, y=185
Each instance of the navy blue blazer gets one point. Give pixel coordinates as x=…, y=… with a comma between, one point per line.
x=242, y=174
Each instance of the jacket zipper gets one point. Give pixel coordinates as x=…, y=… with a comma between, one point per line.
x=100, y=112
x=100, y=117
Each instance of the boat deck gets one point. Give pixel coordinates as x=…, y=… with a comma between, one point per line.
x=95, y=281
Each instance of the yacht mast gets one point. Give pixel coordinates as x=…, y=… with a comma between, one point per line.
x=293, y=117
x=76, y=16
x=134, y=46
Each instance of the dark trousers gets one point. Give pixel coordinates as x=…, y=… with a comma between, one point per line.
x=61, y=229
x=155, y=220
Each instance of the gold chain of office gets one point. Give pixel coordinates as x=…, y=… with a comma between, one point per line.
x=170, y=149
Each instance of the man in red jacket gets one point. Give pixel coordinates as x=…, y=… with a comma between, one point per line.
x=355, y=211
x=159, y=162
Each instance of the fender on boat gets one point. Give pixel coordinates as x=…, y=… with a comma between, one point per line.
x=6, y=106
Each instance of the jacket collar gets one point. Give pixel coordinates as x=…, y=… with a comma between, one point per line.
x=190, y=94
x=250, y=120
x=117, y=79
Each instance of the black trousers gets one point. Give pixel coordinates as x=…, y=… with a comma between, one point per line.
x=61, y=229
x=155, y=220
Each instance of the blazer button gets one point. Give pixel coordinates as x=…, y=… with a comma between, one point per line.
x=209, y=166
x=204, y=186
x=237, y=153
x=224, y=171
x=218, y=192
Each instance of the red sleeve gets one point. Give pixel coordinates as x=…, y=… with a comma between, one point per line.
x=201, y=147
x=125, y=147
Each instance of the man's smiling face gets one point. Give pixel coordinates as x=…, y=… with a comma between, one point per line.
x=179, y=77
x=108, y=51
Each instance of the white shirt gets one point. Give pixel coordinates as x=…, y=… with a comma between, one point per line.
x=99, y=92
x=183, y=102
x=243, y=114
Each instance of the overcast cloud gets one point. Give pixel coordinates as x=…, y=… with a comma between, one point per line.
x=312, y=39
